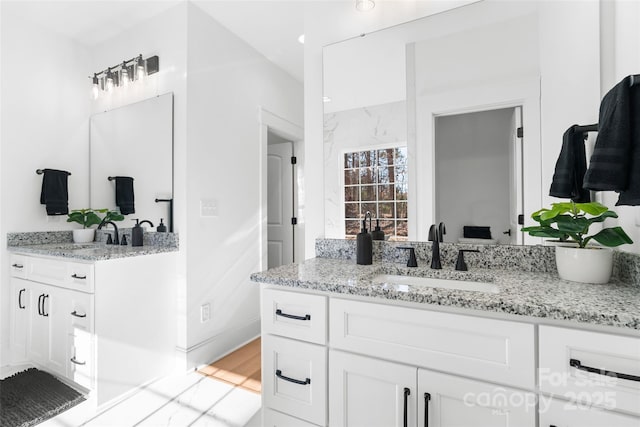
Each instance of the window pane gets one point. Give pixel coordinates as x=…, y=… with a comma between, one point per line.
x=401, y=191
x=401, y=156
x=385, y=157
x=386, y=210
x=352, y=227
x=367, y=176
x=352, y=210
x=368, y=193
x=386, y=175
x=401, y=210
x=389, y=227
x=401, y=228
x=385, y=192
x=367, y=158
x=351, y=177
x=351, y=160
x=351, y=194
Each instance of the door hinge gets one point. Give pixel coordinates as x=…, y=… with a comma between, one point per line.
x=521, y=219
x=294, y=221
x=519, y=132
x=294, y=160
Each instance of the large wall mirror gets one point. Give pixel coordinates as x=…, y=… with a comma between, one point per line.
x=134, y=141
x=478, y=97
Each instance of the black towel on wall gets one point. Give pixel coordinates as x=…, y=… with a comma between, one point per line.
x=570, y=169
x=55, y=193
x=615, y=163
x=124, y=195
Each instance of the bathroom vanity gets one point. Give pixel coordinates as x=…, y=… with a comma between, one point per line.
x=342, y=348
x=99, y=317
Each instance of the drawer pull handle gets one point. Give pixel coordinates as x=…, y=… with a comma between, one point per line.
x=40, y=304
x=407, y=392
x=73, y=360
x=292, y=316
x=576, y=364
x=427, y=398
x=75, y=276
x=292, y=380
x=20, y=305
x=17, y=265
x=44, y=299
x=75, y=313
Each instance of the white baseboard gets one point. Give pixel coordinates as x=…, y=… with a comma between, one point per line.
x=219, y=345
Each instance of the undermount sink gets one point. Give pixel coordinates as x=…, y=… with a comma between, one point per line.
x=411, y=281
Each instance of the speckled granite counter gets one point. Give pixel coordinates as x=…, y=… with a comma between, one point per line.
x=60, y=244
x=525, y=293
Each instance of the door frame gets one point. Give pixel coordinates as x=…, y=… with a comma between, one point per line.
x=295, y=133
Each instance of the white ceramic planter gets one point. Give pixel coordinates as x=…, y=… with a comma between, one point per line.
x=586, y=265
x=85, y=235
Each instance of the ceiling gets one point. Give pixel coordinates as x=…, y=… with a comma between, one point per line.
x=272, y=27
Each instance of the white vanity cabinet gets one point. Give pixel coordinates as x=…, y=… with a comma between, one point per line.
x=107, y=326
x=392, y=365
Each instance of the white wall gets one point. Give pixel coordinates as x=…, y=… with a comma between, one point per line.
x=376, y=126
x=227, y=83
x=44, y=125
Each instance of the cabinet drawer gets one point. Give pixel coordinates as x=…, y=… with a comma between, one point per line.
x=66, y=274
x=80, y=313
x=18, y=266
x=81, y=358
x=493, y=350
x=585, y=366
x=295, y=315
x=295, y=378
x=271, y=418
x=557, y=413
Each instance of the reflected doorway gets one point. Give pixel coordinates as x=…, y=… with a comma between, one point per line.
x=478, y=175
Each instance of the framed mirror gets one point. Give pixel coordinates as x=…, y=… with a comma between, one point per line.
x=134, y=141
x=480, y=97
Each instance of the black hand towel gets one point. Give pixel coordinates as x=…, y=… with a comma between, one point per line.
x=615, y=163
x=124, y=195
x=55, y=193
x=570, y=169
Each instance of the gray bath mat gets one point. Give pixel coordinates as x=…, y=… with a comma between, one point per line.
x=32, y=396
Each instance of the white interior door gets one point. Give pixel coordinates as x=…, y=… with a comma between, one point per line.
x=280, y=204
x=516, y=180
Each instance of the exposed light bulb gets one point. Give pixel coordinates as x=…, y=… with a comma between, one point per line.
x=95, y=90
x=365, y=5
x=140, y=71
x=109, y=80
x=124, y=75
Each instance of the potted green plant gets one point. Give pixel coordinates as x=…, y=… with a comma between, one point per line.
x=87, y=218
x=570, y=222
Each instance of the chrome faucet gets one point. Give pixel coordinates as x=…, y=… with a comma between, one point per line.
x=116, y=240
x=435, y=236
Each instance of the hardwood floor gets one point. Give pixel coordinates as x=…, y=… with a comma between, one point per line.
x=240, y=368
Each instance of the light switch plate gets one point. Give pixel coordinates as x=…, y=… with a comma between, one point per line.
x=208, y=208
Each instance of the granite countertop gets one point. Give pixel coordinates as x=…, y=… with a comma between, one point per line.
x=89, y=251
x=535, y=294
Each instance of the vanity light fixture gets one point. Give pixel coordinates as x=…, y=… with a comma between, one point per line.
x=123, y=74
x=365, y=5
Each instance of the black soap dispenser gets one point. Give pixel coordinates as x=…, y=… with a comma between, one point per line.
x=137, y=234
x=364, y=246
x=161, y=227
x=377, y=234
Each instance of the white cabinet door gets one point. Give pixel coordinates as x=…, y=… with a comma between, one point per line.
x=557, y=413
x=21, y=308
x=365, y=392
x=47, y=338
x=448, y=401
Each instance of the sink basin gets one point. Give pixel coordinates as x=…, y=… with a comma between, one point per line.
x=411, y=281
